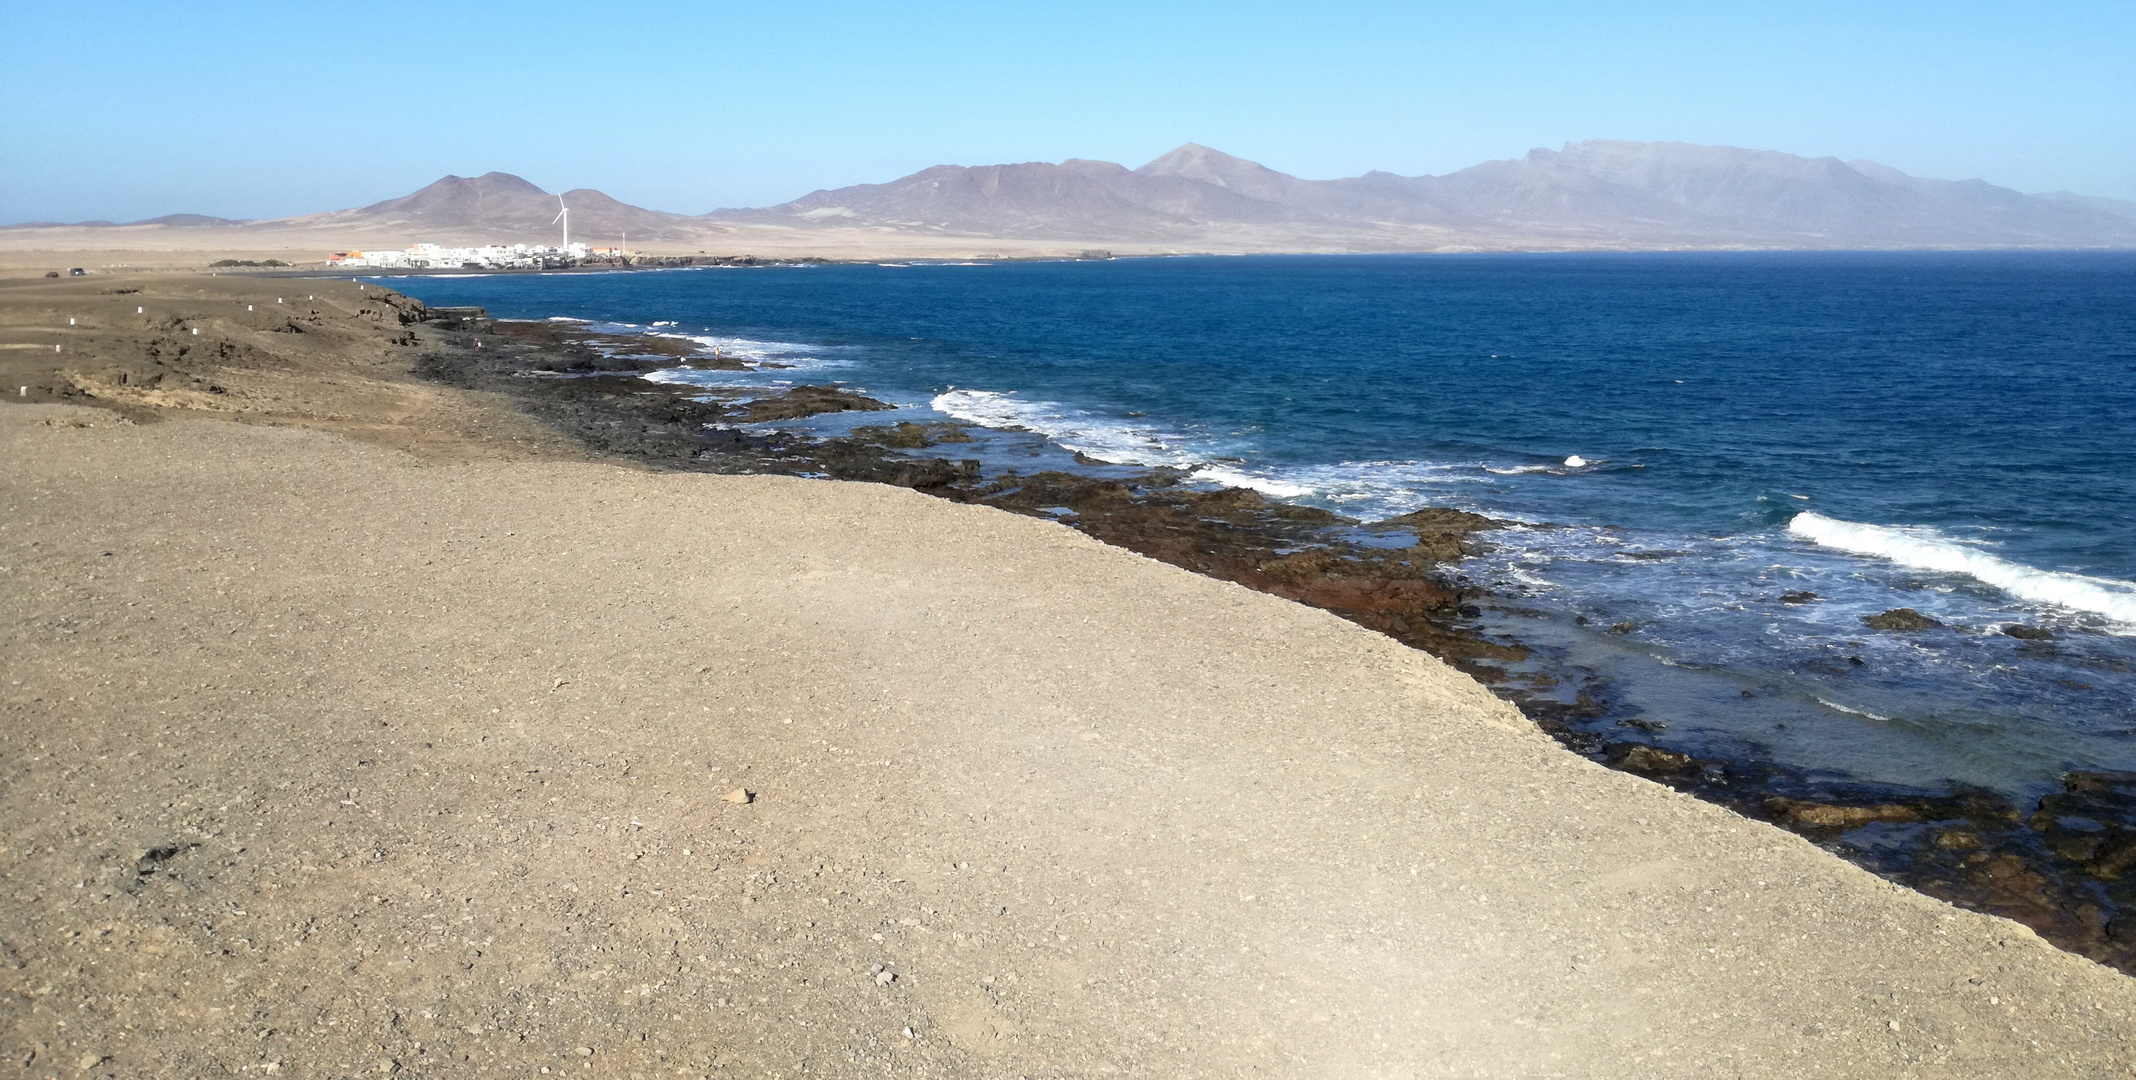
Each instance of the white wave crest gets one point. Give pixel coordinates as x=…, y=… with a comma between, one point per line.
x=1239, y=478
x=2102, y=596
x=747, y=349
x=1863, y=713
x=1070, y=428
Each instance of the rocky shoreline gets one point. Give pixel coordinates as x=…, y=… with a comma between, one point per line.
x=2062, y=867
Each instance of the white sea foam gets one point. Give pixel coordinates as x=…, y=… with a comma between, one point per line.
x=1518, y=470
x=1864, y=713
x=1911, y=547
x=1239, y=478
x=743, y=348
x=1071, y=428
x=1375, y=490
x=765, y=358
x=1365, y=489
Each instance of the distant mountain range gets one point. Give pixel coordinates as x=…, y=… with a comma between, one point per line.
x=1596, y=194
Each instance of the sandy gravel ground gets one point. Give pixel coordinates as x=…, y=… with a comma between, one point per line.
x=322, y=759
x=332, y=355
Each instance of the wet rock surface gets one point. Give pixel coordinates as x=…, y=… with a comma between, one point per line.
x=1904, y=618
x=2066, y=868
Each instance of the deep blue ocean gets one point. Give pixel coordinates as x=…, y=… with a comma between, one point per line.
x=1686, y=438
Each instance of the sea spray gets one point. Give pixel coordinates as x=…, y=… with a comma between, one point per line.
x=2102, y=596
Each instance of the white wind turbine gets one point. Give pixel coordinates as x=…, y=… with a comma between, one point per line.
x=563, y=214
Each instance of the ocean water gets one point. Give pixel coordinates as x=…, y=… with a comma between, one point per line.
x=1683, y=438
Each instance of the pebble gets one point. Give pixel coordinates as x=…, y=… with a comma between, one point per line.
x=585, y=1051
x=739, y=796
x=885, y=978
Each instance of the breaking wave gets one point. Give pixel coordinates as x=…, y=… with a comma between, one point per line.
x=1071, y=428
x=752, y=351
x=2101, y=596
x=1365, y=489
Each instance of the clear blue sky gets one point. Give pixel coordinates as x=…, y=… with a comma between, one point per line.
x=129, y=110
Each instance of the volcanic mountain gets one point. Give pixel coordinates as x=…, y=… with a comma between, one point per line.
x=505, y=208
x=1590, y=194
x=1599, y=194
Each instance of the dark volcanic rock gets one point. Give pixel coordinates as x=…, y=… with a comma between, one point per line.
x=1443, y=533
x=1442, y=519
x=2028, y=633
x=1802, y=597
x=1650, y=760
x=849, y=459
x=808, y=401
x=1239, y=535
x=1819, y=815
x=1903, y=618
x=906, y=435
x=2092, y=822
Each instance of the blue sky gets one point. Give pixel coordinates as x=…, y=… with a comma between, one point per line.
x=128, y=110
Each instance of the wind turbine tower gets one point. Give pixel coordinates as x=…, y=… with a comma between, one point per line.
x=563, y=214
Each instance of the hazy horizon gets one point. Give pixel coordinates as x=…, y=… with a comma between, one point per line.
x=250, y=110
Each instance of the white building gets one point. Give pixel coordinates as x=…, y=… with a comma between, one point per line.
x=434, y=257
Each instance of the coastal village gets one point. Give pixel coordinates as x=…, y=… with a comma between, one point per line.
x=487, y=257
x=563, y=255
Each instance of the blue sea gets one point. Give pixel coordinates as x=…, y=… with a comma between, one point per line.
x=1682, y=439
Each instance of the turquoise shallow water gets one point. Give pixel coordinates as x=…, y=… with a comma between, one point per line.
x=1688, y=437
